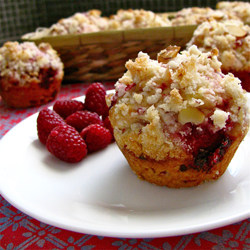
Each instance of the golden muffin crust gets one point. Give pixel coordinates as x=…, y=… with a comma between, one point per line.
x=176, y=173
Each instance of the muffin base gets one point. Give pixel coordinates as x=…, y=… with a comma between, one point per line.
x=31, y=94
x=170, y=172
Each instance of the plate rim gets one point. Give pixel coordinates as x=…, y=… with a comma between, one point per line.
x=112, y=233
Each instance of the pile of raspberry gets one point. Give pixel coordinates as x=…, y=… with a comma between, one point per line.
x=73, y=128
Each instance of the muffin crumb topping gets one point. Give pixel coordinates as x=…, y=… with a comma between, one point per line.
x=231, y=38
x=162, y=108
x=21, y=63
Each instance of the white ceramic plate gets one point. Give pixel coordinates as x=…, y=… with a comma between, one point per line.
x=102, y=196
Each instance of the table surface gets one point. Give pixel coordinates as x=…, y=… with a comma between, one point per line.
x=20, y=231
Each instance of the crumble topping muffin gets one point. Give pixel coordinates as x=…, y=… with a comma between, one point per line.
x=129, y=19
x=30, y=75
x=232, y=39
x=239, y=9
x=92, y=21
x=78, y=23
x=197, y=15
x=178, y=120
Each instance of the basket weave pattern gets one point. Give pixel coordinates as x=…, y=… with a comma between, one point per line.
x=104, y=61
x=101, y=56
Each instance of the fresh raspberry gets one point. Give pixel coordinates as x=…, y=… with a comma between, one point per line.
x=108, y=125
x=46, y=121
x=67, y=107
x=81, y=119
x=96, y=137
x=95, y=99
x=65, y=143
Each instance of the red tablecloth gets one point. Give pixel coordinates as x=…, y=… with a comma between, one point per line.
x=20, y=231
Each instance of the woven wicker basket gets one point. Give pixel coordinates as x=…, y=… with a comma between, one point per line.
x=101, y=56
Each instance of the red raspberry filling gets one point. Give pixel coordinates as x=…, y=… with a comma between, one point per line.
x=208, y=148
x=47, y=76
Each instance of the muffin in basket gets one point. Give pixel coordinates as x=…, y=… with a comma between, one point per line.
x=79, y=23
x=238, y=8
x=198, y=15
x=30, y=75
x=178, y=120
x=138, y=18
x=232, y=39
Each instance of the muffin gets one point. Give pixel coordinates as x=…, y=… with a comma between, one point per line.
x=238, y=8
x=79, y=23
x=130, y=19
x=178, y=120
x=197, y=15
x=30, y=75
x=232, y=39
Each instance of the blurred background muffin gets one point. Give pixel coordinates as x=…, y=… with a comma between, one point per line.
x=79, y=23
x=239, y=8
x=30, y=75
x=128, y=19
x=232, y=39
x=197, y=15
